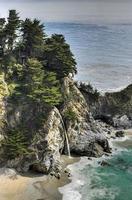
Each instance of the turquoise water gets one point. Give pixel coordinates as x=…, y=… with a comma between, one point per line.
x=103, y=52
x=91, y=181
x=110, y=182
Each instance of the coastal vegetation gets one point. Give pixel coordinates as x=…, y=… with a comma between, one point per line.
x=15, y=144
x=70, y=115
x=33, y=65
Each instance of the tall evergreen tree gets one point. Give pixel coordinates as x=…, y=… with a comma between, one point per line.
x=36, y=84
x=2, y=38
x=33, y=38
x=42, y=86
x=11, y=28
x=58, y=56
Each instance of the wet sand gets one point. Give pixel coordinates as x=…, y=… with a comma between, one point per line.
x=128, y=132
x=50, y=187
x=34, y=188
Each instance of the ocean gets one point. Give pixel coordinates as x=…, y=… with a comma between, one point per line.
x=91, y=181
x=104, y=57
x=103, y=52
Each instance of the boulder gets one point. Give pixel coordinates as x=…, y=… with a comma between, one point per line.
x=119, y=134
x=122, y=122
x=104, y=163
x=8, y=173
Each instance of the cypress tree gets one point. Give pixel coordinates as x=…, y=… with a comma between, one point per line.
x=11, y=28
x=42, y=86
x=58, y=56
x=32, y=38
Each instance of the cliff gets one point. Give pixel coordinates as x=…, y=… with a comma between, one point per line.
x=52, y=131
x=113, y=108
x=85, y=135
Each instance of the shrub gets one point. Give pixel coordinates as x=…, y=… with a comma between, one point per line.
x=70, y=115
x=14, y=144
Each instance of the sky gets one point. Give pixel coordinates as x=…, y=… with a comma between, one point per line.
x=84, y=11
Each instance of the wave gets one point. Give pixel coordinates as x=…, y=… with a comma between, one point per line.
x=86, y=180
x=118, y=89
x=70, y=191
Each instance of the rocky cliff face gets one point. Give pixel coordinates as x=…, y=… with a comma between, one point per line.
x=52, y=130
x=113, y=108
x=46, y=142
x=50, y=144
x=3, y=95
x=71, y=125
x=85, y=135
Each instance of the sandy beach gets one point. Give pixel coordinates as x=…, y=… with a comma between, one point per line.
x=34, y=187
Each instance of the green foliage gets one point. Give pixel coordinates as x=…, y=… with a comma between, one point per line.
x=70, y=115
x=2, y=38
x=42, y=86
x=88, y=88
x=11, y=29
x=8, y=62
x=15, y=144
x=32, y=38
x=58, y=56
x=36, y=84
x=22, y=40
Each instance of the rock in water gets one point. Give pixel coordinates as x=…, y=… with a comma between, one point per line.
x=104, y=163
x=119, y=134
x=122, y=121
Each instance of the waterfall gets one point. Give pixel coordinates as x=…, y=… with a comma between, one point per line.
x=66, y=138
x=78, y=125
x=67, y=144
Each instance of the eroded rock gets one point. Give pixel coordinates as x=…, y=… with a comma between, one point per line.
x=119, y=134
x=85, y=134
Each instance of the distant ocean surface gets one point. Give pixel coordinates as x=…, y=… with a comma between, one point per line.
x=103, y=52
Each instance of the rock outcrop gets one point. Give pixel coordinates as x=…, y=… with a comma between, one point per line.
x=113, y=108
x=50, y=144
x=45, y=145
x=85, y=135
